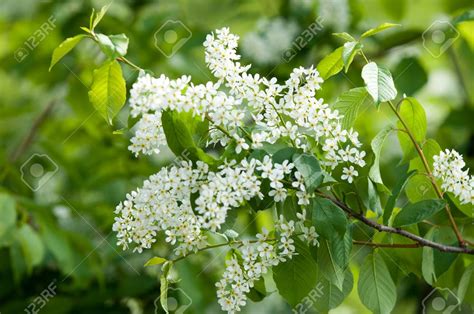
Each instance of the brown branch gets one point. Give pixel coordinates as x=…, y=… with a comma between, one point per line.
x=31, y=134
x=383, y=228
x=387, y=245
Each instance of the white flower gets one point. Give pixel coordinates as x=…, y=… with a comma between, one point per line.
x=278, y=194
x=285, y=167
x=287, y=246
x=349, y=174
x=310, y=235
x=241, y=144
x=265, y=250
x=448, y=167
x=258, y=138
x=301, y=216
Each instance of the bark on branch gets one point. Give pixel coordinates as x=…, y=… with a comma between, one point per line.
x=383, y=228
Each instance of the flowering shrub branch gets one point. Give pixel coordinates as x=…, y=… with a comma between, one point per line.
x=429, y=174
x=281, y=149
x=420, y=241
x=426, y=166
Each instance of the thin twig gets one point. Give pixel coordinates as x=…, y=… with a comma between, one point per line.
x=428, y=171
x=425, y=165
x=18, y=152
x=388, y=245
x=32, y=132
x=130, y=63
x=231, y=242
x=220, y=128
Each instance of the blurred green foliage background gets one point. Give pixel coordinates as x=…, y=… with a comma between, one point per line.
x=58, y=230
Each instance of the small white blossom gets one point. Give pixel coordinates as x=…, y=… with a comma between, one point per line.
x=448, y=167
x=349, y=174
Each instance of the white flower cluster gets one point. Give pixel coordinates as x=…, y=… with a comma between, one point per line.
x=269, y=41
x=242, y=271
x=448, y=167
x=150, y=96
x=225, y=189
x=289, y=112
x=183, y=202
x=275, y=173
x=284, y=111
x=164, y=204
x=164, y=201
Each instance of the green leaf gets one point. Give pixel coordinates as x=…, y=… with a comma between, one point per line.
x=107, y=93
x=464, y=17
x=327, y=296
x=454, y=202
x=414, y=213
x=178, y=128
x=348, y=53
x=7, y=214
x=328, y=218
x=374, y=199
x=257, y=292
x=401, y=261
x=64, y=48
x=378, y=29
x=289, y=207
x=376, y=144
x=427, y=265
x=297, y=276
x=164, y=285
x=331, y=64
x=113, y=46
x=328, y=265
x=376, y=288
x=434, y=262
x=348, y=104
x=131, y=121
x=156, y=260
x=419, y=188
x=85, y=29
x=414, y=117
x=397, y=190
x=283, y=154
x=430, y=149
x=310, y=169
x=97, y=17
x=379, y=83
x=409, y=76
x=31, y=245
x=344, y=36
x=333, y=256
x=342, y=247
x=466, y=284
x=17, y=262
x=57, y=243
